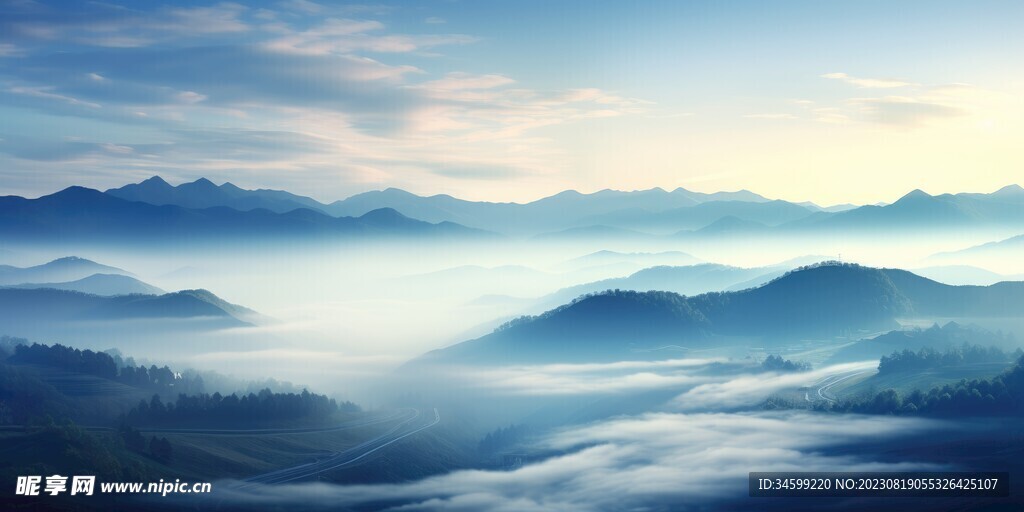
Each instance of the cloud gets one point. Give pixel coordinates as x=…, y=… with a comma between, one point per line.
x=653, y=461
x=10, y=50
x=918, y=106
x=747, y=390
x=154, y=79
x=465, y=81
x=771, y=116
x=434, y=20
x=868, y=83
x=304, y=6
x=831, y=115
x=904, y=111
x=109, y=25
x=190, y=97
x=218, y=19
x=585, y=379
x=345, y=36
x=44, y=93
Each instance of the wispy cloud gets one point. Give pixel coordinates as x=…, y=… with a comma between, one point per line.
x=771, y=116
x=45, y=93
x=903, y=110
x=868, y=83
x=294, y=67
x=918, y=105
x=747, y=390
x=10, y=50
x=346, y=36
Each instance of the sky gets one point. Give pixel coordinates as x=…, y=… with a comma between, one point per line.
x=831, y=102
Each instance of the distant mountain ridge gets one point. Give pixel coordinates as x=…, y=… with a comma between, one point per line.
x=202, y=193
x=105, y=285
x=821, y=300
x=569, y=214
x=71, y=268
x=920, y=209
x=78, y=213
x=512, y=217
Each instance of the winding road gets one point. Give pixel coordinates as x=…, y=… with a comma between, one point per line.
x=350, y=456
x=824, y=385
x=396, y=415
x=400, y=414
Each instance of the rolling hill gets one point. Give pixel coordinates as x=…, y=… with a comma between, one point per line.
x=684, y=280
x=939, y=338
x=48, y=305
x=819, y=301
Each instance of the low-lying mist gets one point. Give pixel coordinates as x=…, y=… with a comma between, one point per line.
x=337, y=312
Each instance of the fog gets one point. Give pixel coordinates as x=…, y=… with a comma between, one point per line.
x=335, y=313
x=642, y=462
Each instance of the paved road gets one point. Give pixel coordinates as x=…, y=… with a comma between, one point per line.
x=400, y=414
x=350, y=456
x=827, y=383
x=396, y=415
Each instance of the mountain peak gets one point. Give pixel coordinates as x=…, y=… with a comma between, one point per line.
x=1013, y=189
x=383, y=214
x=69, y=259
x=915, y=194
x=76, y=192
x=203, y=182
x=155, y=181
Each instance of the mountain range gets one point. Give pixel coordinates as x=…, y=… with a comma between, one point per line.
x=1008, y=249
x=54, y=301
x=78, y=213
x=202, y=193
x=823, y=300
x=1004, y=207
x=155, y=208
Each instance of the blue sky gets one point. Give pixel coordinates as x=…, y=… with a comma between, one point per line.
x=825, y=101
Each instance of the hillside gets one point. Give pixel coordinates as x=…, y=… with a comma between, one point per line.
x=818, y=301
x=684, y=280
x=950, y=335
x=48, y=306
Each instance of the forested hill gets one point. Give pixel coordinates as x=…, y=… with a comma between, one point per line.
x=822, y=300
